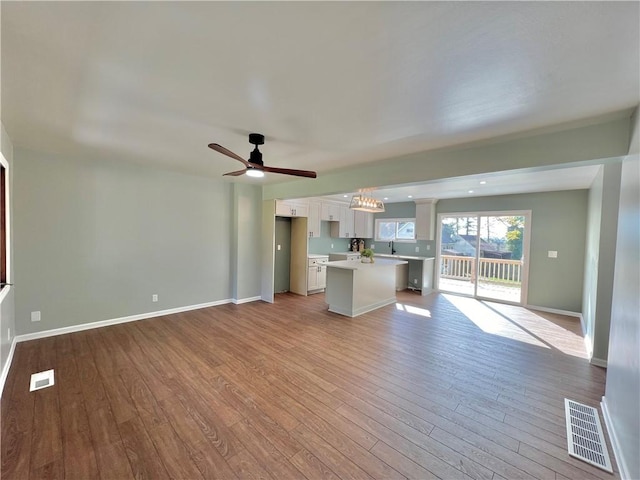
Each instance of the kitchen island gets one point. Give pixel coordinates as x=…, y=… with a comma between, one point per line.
x=354, y=288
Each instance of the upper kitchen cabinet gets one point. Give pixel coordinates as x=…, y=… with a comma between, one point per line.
x=362, y=224
x=330, y=212
x=292, y=208
x=313, y=221
x=344, y=228
x=426, y=219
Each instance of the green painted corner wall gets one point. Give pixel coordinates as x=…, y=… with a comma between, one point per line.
x=94, y=240
x=558, y=222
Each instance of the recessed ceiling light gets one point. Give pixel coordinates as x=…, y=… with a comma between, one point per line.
x=410, y=196
x=386, y=198
x=470, y=191
x=345, y=196
x=483, y=182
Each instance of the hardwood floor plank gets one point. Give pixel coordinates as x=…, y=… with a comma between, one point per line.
x=329, y=455
x=290, y=390
x=174, y=453
x=264, y=451
x=140, y=450
x=311, y=467
x=46, y=443
x=417, y=448
x=248, y=468
x=260, y=421
x=78, y=454
x=206, y=457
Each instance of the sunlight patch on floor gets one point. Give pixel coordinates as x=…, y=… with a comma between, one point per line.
x=490, y=321
x=423, y=312
x=518, y=323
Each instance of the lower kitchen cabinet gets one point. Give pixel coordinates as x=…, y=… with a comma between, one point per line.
x=317, y=274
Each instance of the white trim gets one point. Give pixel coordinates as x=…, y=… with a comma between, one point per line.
x=245, y=300
x=555, y=310
x=7, y=365
x=615, y=441
x=526, y=250
x=115, y=321
x=7, y=219
x=598, y=362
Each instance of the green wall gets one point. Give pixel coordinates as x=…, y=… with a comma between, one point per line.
x=558, y=222
x=585, y=144
x=94, y=240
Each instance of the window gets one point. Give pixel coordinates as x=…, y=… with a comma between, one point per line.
x=396, y=229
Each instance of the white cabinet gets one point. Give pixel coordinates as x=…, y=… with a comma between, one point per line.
x=402, y=276
x=344, y=228
x=330, y=212
x=426, y=219
x=362, y=224
x=292, y=208
x=313, y=221
x=317, y=273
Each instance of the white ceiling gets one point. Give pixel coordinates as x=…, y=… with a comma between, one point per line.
x=503, y=183
x=330, y=84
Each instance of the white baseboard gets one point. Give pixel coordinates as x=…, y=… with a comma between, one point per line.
x=114, y=321
x=245, y=300
x=554, y=310
x=7, y=365
x=598, y=362
x=615, y=442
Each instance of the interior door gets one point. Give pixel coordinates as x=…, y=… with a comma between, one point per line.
x=483, y=255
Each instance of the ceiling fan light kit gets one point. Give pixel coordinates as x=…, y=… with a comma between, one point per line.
x=255, y=167
x=366, y=204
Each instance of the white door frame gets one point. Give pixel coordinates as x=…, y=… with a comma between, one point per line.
x=526, y=244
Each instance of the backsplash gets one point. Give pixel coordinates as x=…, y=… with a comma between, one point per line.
x=322, y=244
x=427, y=248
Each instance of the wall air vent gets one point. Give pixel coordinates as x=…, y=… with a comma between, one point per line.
x=585, y=438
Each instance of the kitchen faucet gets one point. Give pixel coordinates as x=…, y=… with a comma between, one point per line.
x=393, y=252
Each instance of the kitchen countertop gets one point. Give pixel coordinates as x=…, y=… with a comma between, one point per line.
x=350, y=265
x=317, y=255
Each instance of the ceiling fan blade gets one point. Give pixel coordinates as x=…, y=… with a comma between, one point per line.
x=289, y=171
x=237, y=173
x=228, y=153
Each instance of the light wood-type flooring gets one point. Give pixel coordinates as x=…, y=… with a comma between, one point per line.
x=432, y=387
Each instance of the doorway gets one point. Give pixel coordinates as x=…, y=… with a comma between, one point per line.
x=484, y=255
x=282, y=265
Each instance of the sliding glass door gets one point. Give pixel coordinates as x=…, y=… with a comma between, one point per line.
x=483, y=255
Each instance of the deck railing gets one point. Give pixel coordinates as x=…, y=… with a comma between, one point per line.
x=490, y=269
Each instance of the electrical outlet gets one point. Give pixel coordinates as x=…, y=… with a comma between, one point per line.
x=372, y=247
x=415, y=281
x=35, y=316
x=417, y=249
x=332, y=246
x=428, y=247
x=279, y=247
x=154, y=297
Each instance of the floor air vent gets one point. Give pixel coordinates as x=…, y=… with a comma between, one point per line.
x=585, y=439
x=41, y=380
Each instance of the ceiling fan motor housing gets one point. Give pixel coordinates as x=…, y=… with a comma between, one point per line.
x=256, y=139
x=256, y=156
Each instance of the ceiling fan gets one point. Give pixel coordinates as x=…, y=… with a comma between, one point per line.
x=254, y=167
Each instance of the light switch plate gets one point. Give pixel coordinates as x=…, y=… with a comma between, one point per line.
x=553, y=254
x=35, y=316
x=417, y=249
